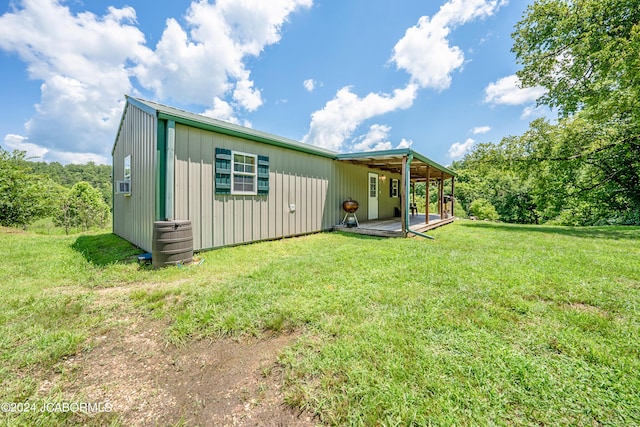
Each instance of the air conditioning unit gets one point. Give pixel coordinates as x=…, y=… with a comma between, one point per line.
x=123, y=187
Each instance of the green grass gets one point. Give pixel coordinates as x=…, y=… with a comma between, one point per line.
x=488, y=324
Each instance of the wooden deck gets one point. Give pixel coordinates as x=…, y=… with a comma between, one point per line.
x=392, y=227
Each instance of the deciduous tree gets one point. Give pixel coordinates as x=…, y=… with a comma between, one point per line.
x=83, y=206
x=24, y=195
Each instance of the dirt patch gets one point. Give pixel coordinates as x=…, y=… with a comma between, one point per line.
x=224, y=382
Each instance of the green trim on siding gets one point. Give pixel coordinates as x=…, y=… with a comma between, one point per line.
x=161, y=170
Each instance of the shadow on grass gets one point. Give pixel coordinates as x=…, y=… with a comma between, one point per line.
x=104, y=249
x=604, y=232
x=358, y=235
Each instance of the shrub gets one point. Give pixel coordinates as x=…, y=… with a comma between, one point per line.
x=483, y=209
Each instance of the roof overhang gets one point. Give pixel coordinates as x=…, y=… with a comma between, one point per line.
x=164, y=112
x=386, y=160
x=391, y=161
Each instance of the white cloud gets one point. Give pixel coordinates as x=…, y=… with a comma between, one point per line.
x=340, y=117
x=375, y=139
x=480, y=129
x=309, y=85
x=248, y=97
x=424, y=51
x=405, y=143
x=206, y=59
x=378, y=139
x=86, y=63
x=81, y=61
x=459, y=149
x=65, y=157
x=508, y=91
x=221, y=110
x=38, y=153
x=21, y=143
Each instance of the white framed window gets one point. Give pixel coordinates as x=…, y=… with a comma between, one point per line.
x=124, y=187
x=395, y=188
x=243, y=173
x=127, y=168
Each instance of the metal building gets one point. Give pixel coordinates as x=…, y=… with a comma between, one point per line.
x=238, y=185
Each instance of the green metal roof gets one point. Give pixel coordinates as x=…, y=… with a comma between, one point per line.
x=207, y=123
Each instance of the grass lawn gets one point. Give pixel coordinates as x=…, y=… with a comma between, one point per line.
x=488, y=324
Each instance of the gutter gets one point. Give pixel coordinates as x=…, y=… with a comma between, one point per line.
x=417, y=233
x=169, y=176
x=407, y=175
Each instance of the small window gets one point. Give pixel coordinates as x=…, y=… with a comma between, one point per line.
x=124, y=187
x=395, y=188
x=373, y=186
x=244, y=174
x=127, y=168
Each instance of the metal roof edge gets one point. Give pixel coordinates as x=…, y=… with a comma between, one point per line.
x=142, y=104
x=380, y=153
x=220, y=126
x=395, y=152
x=115, y=141
x=227, y=128
x=138, y=104
x=430, y=162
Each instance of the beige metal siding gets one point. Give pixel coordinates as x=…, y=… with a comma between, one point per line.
x=352, y=181
x=133, y=215
x=220, y=220
x=317, y=186
x=387, y=203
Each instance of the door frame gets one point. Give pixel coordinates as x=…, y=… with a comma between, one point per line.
x=373, y=208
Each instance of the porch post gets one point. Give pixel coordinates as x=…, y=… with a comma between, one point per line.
x=440, y=193
x=403, y=196
x=452, y=194
x=426, y=210
x=413, y=192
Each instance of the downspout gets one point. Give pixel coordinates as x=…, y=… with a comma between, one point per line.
x=171, y=151
x=407, y=175
x=113, y=194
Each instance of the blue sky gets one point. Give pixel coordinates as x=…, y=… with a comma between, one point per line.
x=353, y=75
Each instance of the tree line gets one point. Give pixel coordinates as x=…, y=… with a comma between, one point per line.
x=584, y=167
x=75, y=196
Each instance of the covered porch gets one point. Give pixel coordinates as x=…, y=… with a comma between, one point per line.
x=413, y=168
x=392, y=227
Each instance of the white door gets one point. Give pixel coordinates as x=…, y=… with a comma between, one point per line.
x=373, y=196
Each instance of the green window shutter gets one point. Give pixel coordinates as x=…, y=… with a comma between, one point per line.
x=223, y=171
x=394, y=185
x=263, y=175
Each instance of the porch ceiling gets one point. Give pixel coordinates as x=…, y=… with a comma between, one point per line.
x=393, y=163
